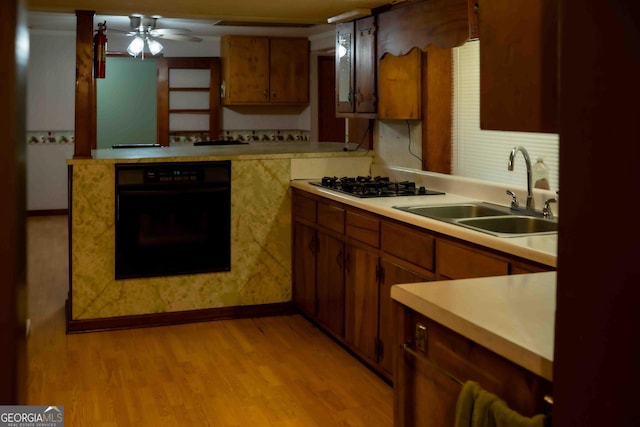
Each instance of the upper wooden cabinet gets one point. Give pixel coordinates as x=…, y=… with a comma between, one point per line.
x=265, y=70
x=400, y=86
x=518, y=65
x=356, y=91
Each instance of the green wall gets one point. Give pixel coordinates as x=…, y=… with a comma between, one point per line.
x=126, y=102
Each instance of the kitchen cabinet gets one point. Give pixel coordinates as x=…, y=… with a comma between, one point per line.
x=265, y=70
x=330, y=267
x=436, y=361
x=318, y=259
x=356, y=65
x=518, y=65
x=346, y=260
x=399, y=84
x=362, y=273
x=361, y=302
x=379, y=255
x=304, y=268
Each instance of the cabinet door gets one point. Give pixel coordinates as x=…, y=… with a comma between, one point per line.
x=518, y=65
x=345, y=69
x=289, y=80
x=400, y=86
x=304, y=266
x=361, y=302
x=245, y=62
x=365, y=62
x=330, y=283
x=392, y=274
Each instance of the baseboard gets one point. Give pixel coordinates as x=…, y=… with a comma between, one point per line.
x=48, y=212
x=175, y=318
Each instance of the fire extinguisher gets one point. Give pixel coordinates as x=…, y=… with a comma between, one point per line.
x=100, y=51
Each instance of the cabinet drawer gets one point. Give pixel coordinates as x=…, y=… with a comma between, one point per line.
x=331, y=217
x=304, y=207
x=408, y=244
x=459, y=262
x=364, y=228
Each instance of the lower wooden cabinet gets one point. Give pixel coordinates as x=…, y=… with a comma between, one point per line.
x=434, y=363
x=330, y=295
x=304, y=268
x=345, y=261
x=361, y=302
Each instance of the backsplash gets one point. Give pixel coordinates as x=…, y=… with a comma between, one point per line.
x=268, y=135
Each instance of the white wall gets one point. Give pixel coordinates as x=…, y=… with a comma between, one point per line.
x=50, y=108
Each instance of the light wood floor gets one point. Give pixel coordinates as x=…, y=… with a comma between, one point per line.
x=275, y=371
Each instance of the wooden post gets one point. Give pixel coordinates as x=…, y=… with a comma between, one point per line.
x=14, y=48
x=85, y=115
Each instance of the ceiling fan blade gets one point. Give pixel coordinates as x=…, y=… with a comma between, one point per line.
x=180, y=37
x=157, y=31
x=115, y=30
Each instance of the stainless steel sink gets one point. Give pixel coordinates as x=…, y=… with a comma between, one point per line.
x=461, y=210
x=493, y=219
x=512, y=225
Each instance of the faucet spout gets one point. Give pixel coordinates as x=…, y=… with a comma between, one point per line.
x=527, y=159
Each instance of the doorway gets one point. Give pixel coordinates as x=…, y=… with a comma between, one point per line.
x=330, y=127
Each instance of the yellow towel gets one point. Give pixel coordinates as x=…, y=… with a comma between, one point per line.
x=477, y=407
x=466, y=400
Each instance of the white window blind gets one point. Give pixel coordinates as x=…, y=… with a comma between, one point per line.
x=483, y=154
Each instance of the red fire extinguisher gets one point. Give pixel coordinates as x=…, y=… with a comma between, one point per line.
x=100, y=51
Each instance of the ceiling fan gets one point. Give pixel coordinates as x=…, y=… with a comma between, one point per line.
x=143, y=30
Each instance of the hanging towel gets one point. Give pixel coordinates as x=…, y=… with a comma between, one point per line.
x=466, y=400
x=477, y=407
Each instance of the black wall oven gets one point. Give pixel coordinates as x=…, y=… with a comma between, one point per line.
x=172, y=218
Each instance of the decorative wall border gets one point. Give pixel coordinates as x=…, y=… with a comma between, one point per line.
x=43, y=137
x=266, y=135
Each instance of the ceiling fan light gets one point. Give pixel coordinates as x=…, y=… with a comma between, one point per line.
x=154, y=46
x=136, y=46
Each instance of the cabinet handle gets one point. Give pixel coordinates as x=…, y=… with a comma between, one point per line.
x=274, y=94
x=266, y=94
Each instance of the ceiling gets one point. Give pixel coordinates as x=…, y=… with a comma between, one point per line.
x=201, y=17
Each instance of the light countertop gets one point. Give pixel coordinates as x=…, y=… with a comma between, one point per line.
x=539, y=248
x=188, y=152
x=512, y=316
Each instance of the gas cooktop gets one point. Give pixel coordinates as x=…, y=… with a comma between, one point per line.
x=366, y=186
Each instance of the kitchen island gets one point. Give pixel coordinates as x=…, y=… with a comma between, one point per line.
x=513, y=316
x=260, y=274
x=496, y=331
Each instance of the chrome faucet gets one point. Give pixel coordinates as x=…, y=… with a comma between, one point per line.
x=527, y=159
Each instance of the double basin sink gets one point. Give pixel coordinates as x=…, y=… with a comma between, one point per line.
x=486, y=217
